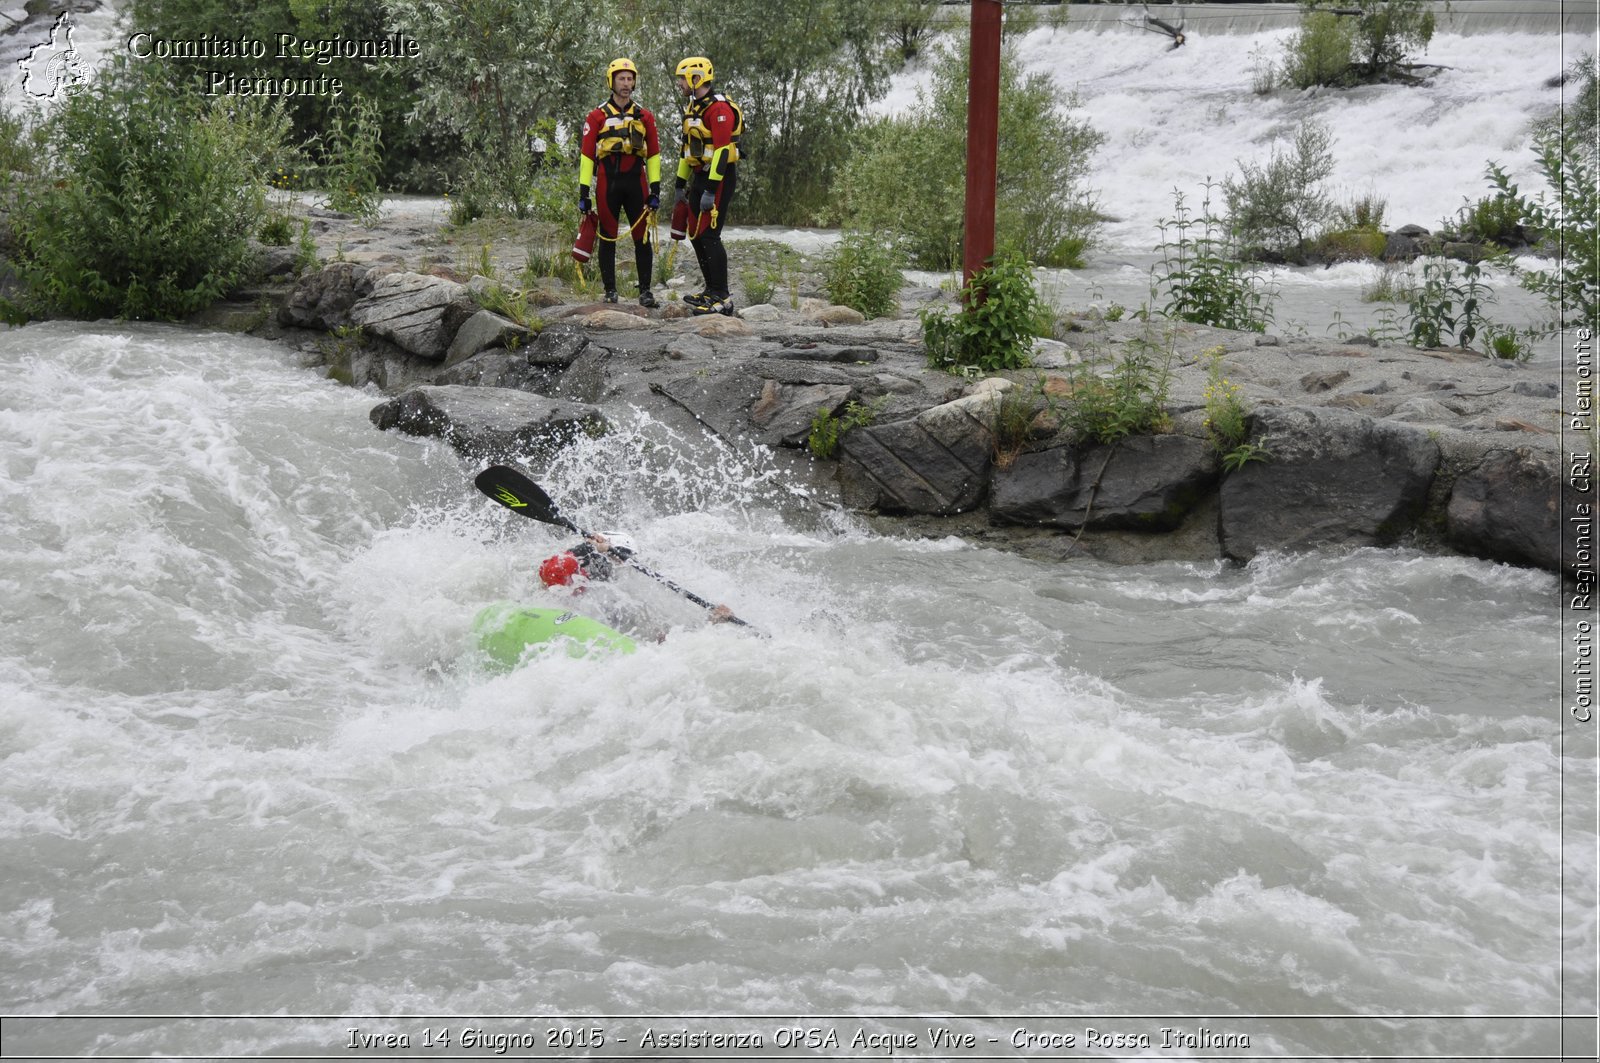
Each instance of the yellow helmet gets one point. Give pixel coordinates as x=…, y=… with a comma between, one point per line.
x=696, y=70
x=618, y=66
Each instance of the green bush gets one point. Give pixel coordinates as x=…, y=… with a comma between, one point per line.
x=1350, y=245
x=1384, y=32
x=1202, y=276
x=1496, y=218
x=1362, y=212
x=1570, y=217
x=907, y=179
x=1503, y=341
x=1130, y=400
x=827, y=430
x=145, y=203
x=1277, y=207
x=1576, y=120
x=863, y=272
x=1446, y=306
x=1320, y=51
x=353, y=146
x=994, y=331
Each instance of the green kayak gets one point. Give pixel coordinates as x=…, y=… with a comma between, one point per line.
x=506, y=632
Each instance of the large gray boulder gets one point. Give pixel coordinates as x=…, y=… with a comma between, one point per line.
x=322, y=300
x=1334, y=478
x=489, y=422
x=558, y=345
x=938, y=462
x=496, y=368
x=784, y=412
x=1507, y=507
x=1147, y=483
x=483, y=331
x=419, y=314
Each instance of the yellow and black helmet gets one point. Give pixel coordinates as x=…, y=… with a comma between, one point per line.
x=618, y=66
x=696, y=70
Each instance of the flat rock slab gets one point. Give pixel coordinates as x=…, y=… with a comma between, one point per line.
x=818, y=352
x=1145, y=483
x=1333, y=478
x=496, y=423
x=938, y=462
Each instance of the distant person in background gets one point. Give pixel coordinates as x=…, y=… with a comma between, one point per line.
x=708, y=174
x=621, y=156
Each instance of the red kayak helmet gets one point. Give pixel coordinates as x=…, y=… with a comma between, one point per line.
x=561, y=569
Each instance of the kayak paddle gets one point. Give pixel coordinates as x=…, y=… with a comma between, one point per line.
x=521, y=495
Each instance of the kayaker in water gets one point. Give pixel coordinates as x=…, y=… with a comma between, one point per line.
x=596, y=560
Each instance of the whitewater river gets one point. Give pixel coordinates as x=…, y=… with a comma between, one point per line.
x=250, y=766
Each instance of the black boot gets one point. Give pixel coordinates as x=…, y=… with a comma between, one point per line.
x=647, y=299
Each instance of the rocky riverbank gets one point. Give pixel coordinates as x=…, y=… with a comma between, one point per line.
x=1361, y=443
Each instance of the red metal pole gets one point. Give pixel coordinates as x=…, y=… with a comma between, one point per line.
x=983, y=132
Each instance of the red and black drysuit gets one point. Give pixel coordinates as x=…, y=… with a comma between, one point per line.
x=622, y=153
x=712, y=125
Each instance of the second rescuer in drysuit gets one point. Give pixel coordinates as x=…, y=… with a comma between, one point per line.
x=621, y=156
x=707, y=175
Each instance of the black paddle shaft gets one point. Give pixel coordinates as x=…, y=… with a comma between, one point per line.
x=521, y=495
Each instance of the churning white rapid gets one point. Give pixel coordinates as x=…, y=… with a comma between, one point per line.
x=248, y=764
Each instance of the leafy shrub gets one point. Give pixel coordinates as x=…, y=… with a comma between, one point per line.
x=760, y=285
x=1226, y=417
x=827, y=430
x=354, y=147
x=1276, y=207
x=1384, y=32
x=1503, y=341
x=1203, y=278
x=1570, y=216
x=145, y=203
x=1015, y=412
x=1362, y=212
x=510, y=303
x=1576, y=120
x=1043, y=209
x=864, y=273
x=1445, y=307
x=277, y=230
x=1350, y=245
x=1130, y=400
x=995, y=330
x=1496, y=218
x=1320, y=51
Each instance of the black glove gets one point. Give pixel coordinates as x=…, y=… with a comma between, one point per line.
x=654, y=202
x=708, y=199
x=583, y=200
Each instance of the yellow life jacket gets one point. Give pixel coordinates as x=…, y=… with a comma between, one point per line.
x=697, y=135
x=621, y=132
